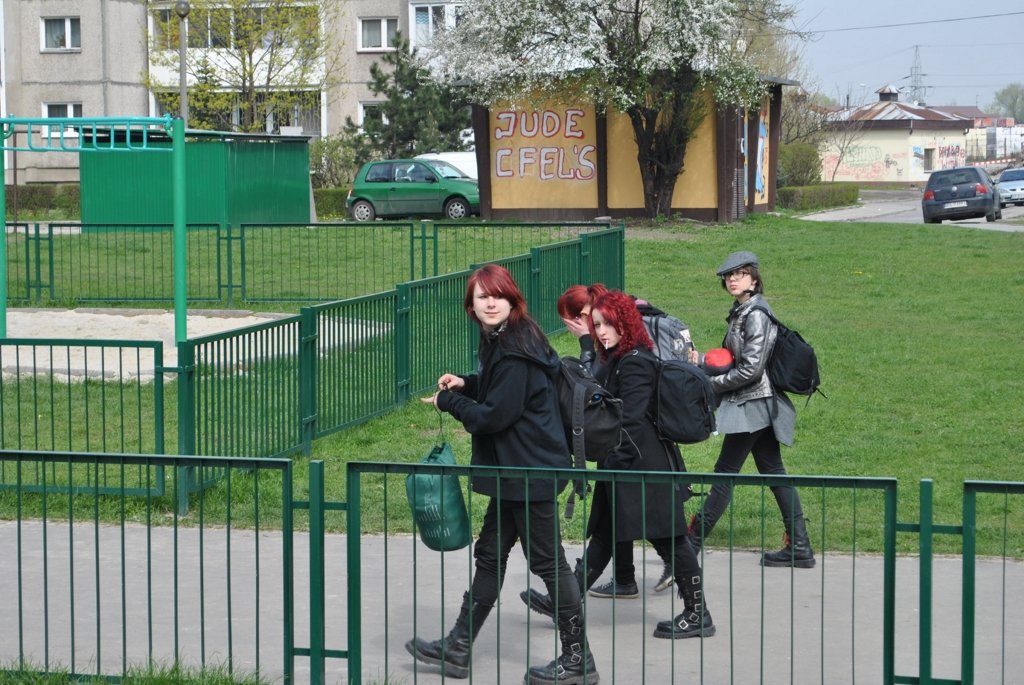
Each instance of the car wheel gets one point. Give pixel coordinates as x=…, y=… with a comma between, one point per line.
x=935, y=221
x=991, y=216
x=456, y=208
x=363, y=211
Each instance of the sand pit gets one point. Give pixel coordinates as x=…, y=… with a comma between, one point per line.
x=80, y=362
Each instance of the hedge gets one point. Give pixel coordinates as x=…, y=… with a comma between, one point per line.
x=818, y=196
x=38, y=199
x=330, y=202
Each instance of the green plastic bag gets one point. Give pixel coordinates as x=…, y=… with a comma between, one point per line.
x=437, y=504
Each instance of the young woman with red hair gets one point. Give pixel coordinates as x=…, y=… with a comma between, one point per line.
x=626, y=511
x=510, y=408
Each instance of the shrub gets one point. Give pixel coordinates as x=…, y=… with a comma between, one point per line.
x=799, y=164
x=44, y=200
x=330, y=202
x=818, y=196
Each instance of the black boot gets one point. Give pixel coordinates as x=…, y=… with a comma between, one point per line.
x=796, y=549
x=575, y=665
x=452, y=653
x=695, y=621
x=698, y=530
x=542, y=604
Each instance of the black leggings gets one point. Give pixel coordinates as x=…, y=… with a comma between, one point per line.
x=768, y=459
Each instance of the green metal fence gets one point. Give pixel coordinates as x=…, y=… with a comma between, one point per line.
x=61, y=263
x=100, y=584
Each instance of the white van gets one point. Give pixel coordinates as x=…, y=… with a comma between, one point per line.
x=463, y=161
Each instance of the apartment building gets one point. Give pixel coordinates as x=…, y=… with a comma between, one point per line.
x=69, y=58
x=92, y=58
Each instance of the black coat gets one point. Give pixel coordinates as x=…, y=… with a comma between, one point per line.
x=632, y=379
x=510, y=408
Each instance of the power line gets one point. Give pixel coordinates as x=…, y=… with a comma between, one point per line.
x=915, y=23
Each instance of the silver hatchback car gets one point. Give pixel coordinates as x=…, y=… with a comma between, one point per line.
x=960, y=193
x=1011, y=187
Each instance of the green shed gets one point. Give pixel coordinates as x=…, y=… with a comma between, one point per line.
x=231, y=178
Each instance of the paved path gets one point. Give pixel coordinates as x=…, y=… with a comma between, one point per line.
x=804, y=626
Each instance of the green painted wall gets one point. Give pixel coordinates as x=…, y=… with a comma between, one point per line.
x=230, y=180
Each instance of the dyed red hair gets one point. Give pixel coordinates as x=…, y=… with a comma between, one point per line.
x=496, y=281
x=619, y=311
x=576, y=297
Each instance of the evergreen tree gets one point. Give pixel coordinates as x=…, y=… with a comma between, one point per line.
x=415, y=115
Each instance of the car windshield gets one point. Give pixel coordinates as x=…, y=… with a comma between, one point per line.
x=1012, y=175
x=445, y=169
x=953, y=177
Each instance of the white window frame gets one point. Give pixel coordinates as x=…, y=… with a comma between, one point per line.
x=364, y=107
x=384, y=34
x=76, y=112
x=68, y=34
x=448, y=10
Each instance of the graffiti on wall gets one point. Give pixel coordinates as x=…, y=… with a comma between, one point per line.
x=951, y=156
x=762, y=141
x=542, y=144
x=866, y=163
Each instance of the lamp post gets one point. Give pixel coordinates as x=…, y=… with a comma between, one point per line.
x=182, y=8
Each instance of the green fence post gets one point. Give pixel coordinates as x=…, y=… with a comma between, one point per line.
x=889, y=594
x=970, y=531
x=925, y=597
x=317, y=569
x=403, y=344
x=532, y=293
x=186, y=420
x=354, y=572
x=308, y=341
x=3, y=248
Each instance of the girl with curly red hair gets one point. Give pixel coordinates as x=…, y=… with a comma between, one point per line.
x=627, y=511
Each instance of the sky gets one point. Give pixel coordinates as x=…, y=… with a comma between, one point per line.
x=967, y=51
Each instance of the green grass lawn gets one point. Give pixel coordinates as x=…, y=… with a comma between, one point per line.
x=916, y=328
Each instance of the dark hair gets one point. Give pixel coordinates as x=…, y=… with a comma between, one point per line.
x=755, y=274
x=496, y=281
x=619, y=311
x=576, y=297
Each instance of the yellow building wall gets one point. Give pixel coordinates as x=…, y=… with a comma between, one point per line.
x=697, y=187
x=543, y=157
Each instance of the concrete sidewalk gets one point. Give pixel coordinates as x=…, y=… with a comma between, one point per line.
x=821, y=625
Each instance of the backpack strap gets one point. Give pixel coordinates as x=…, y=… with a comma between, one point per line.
x=578, y=450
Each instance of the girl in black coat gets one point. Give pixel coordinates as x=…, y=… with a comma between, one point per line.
x=625, y=511
x=510, y=407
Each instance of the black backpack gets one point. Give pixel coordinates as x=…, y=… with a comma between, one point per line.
x=793, y=366
x=683, y=406
x=591, y=417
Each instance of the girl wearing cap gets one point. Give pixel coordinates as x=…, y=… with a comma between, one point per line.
x=752, y=415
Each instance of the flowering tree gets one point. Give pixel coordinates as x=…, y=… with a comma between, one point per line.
x=654, y=60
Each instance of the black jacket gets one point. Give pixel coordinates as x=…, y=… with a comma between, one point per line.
x=510, y=408
x=631, y=378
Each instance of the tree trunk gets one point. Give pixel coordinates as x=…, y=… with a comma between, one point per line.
x=662, y=132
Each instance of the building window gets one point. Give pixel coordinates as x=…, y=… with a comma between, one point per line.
x=62, y=33
x=62, y=110
x=427, y=19
x=371, y=111
x=377, y=34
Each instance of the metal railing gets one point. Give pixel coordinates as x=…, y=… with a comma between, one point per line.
x=99, y=584
x=60, y=263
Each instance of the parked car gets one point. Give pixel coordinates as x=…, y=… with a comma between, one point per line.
x=463, y=161
x=1011, y=187
x=960, y=193
x=412, y=187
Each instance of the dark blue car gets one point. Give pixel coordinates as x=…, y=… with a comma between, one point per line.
x=960, y=193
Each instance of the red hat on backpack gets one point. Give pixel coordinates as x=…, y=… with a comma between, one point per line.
x=717, y=361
